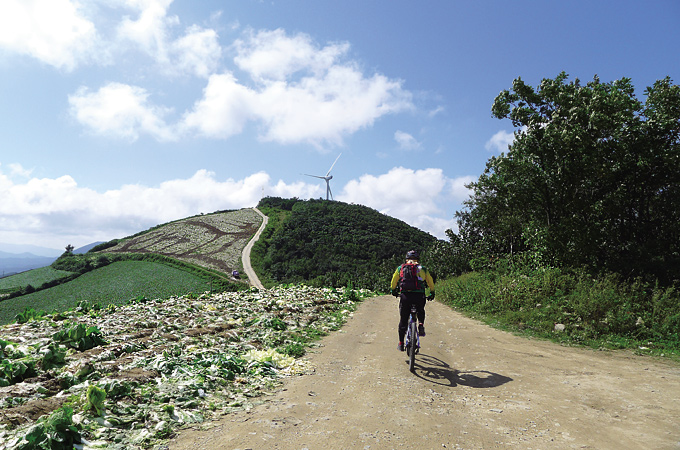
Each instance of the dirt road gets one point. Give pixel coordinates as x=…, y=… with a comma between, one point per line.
x=475, y=388
x=245, y=256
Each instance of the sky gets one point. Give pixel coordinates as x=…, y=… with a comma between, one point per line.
x=118, y=115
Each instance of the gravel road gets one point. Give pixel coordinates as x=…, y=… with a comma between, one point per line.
x=474, y=388
x=245, y=256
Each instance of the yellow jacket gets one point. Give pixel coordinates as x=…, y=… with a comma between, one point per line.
x=423, y=275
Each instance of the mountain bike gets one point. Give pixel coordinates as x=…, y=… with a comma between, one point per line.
x=412, y=340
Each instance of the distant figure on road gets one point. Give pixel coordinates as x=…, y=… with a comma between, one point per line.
x=408, y=283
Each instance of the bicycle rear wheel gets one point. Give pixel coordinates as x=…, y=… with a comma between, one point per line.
x=412, y=346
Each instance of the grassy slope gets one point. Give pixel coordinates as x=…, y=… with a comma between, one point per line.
x=35, y=278
x=213, y=241
x=116, y=283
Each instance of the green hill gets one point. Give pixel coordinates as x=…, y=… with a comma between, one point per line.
x=332, y=244
x=195, y=254
x=321, y=243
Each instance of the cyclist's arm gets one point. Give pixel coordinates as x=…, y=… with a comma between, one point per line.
x=428, y=279
x=395, y=279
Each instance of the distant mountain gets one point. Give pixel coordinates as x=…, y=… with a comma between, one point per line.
x=32, y=249
x=86, y=248
x=11, y=263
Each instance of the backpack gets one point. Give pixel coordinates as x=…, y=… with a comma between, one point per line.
x=408, y=277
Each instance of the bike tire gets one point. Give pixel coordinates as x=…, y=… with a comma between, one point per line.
x=413, y=345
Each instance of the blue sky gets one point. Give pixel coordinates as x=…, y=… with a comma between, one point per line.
x=118, y=115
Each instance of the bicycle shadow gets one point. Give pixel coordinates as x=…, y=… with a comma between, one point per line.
x=439, y=372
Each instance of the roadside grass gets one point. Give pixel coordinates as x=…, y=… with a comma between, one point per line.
x=572, y=308
x=115, y=284
x=34, y=277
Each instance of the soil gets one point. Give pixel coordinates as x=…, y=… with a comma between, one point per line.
x=474, y=388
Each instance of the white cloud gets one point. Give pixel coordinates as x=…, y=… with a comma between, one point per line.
x=52, y=31
x=197, y=52
x=18, y=169
x=409, y=195
x=150, y=30
x=298, y=93
x=500, y=141
x=56, y=212
x=458, y=191
x=319, y=109
x=305, y=93
x=406, y=141
x=121, y=111
x=224, y=110
x=274, y=56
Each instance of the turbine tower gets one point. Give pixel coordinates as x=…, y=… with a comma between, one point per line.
x=328, y=178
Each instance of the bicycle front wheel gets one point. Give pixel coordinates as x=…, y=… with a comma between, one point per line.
x=413, y=345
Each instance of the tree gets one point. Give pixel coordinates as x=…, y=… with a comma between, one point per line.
x=592, y=178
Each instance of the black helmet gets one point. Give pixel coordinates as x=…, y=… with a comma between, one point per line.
x=413, y=254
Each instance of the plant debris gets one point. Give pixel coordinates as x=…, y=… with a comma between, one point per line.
x=129, y=377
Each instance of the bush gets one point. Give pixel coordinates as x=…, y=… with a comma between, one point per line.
x=591, y=309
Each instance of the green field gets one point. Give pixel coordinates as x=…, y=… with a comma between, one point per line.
x=35, y=277
x=116, y=283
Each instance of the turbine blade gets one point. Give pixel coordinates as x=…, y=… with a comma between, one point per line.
x=336, y=160
x=315, y=176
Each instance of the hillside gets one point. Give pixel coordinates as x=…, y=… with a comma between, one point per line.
x=200, y=251
x=214, y=241
x=333, y=244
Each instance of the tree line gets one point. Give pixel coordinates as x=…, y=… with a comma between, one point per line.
x=592, y=180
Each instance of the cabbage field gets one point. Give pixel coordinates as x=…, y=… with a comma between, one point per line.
x=129, y=377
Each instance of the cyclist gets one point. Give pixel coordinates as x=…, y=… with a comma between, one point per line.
x=411, y=290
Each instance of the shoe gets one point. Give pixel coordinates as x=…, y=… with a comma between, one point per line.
x=421, y=330
x=400, y=347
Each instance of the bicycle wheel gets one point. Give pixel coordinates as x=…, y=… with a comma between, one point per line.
x=412, y=346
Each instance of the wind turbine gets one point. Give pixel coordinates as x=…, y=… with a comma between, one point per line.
x=328, y=178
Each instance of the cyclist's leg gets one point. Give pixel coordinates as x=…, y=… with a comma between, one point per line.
x=404, y=312
x=420, y=305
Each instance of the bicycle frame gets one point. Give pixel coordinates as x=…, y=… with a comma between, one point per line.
x=412, y=339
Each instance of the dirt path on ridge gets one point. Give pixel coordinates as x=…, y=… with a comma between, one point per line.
x=245, y=256
x=474, y=388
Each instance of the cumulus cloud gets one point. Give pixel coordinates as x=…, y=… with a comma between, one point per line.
x=224, y=110
x=406, y=141
x=291, y=88
x=151, y=29
x=120, y=110
x=409, y=195
x=294, y=90
x=274, y=56
x=299, y=92
x=53, y=212
x=197, y=52
x=18, y=169
x=56, y=212
x=53, y=31
x=458, y=191
x=500, y=141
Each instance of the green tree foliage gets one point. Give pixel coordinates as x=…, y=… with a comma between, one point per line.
x=336, y=244
x=591, y=180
